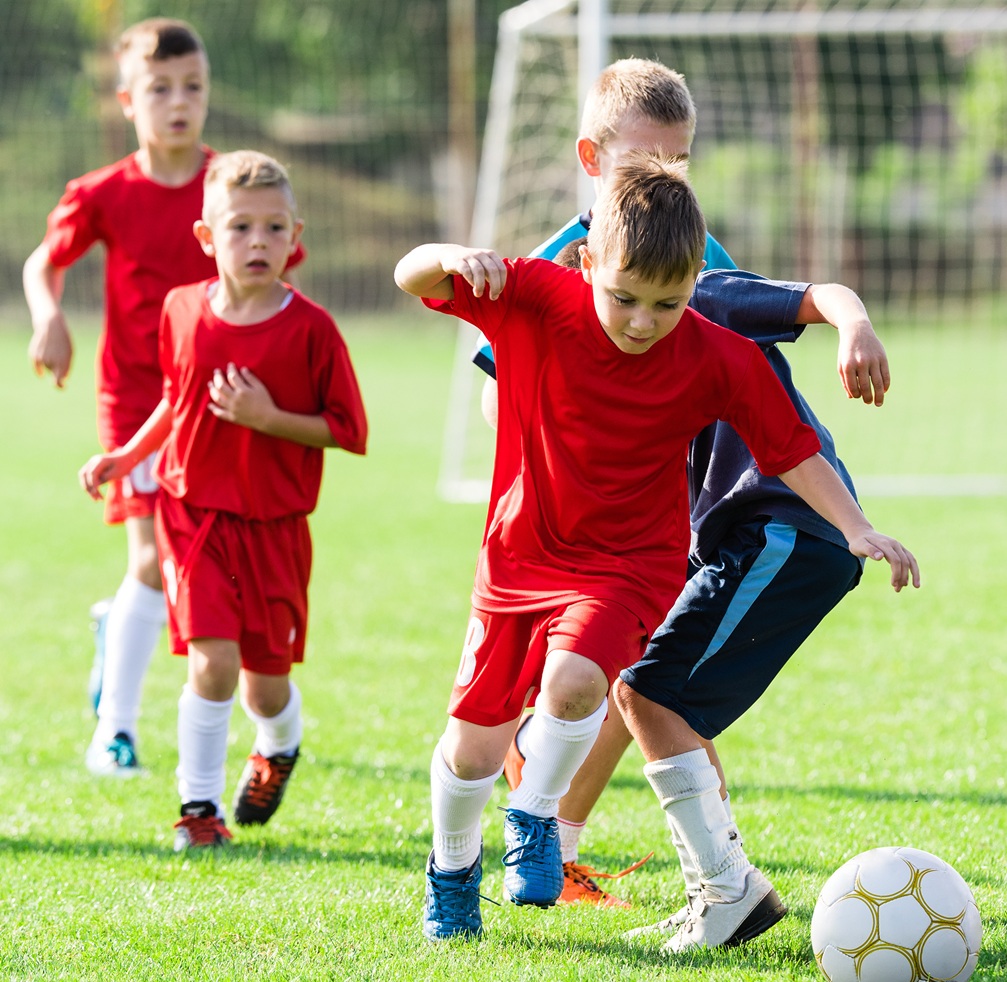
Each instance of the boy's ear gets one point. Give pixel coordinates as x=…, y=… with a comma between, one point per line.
x=588, y=153
x=296, y=237
x=125, y=101
x=586, y=263
x=204, y=234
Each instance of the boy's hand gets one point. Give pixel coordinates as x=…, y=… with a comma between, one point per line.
x=237, y=395
x=102, y=468
x=862, y=363
x=51, y=348
x=874, y=545
x=480, y=268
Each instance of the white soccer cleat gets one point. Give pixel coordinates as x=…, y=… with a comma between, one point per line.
x=668, y=926
x=714, y=923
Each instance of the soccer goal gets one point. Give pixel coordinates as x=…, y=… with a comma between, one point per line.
x=864, y=142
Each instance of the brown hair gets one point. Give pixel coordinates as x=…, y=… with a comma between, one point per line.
x=157, y=38
x=569, y=255
x=244, y=169
x=634, y=87
x=648, y=220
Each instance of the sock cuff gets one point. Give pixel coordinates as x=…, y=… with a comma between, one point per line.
x=206, y=706
x=573, y=730
x=573, y=825
x=449, y=781
x=685, y=775
x=143, y=599
x=292, y=708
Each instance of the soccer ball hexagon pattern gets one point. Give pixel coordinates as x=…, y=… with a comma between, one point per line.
x=896, y=914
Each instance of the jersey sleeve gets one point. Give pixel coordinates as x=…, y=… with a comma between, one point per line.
x=762, y=413
x=71, y=227
x=715, y=255
x=482, y=356
x=487, y=315
x=750, y=305
x=343, y=405
x=576, y=228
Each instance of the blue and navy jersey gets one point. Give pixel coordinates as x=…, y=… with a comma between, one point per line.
x=715, y=257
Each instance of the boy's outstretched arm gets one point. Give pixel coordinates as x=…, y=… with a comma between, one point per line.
x=862, y=362
x=819, y=485
x=104, y=467
x=427, y=271
x=51, y=346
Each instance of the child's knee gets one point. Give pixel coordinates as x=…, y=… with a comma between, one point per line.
x=266, y=695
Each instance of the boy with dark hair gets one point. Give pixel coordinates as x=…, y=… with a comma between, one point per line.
x=141, y=209
x=605, y=376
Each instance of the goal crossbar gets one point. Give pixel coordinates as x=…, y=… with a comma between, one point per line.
x=774, y=23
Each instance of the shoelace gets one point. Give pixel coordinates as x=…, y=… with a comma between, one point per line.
x=269, y=775
x=534, y=834
x=203, y=831
x=452, y=902
x=581, y=872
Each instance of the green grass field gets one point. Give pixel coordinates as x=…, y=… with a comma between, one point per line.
x=887, y=728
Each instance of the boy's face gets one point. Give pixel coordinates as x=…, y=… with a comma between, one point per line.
x=635, y=313
x=251, y=233
x=635, y=133
x=166, y=100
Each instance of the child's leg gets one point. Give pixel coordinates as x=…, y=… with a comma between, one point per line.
x=466, y=763
x=204, y=712
x=273, y=704
x=736, y=902
x=561, y=732
x=132, y=630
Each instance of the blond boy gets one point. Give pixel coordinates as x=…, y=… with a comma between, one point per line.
x=257, y=383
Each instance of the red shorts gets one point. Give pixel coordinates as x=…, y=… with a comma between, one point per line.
x=133, y=496
x=245, y=581
x=504, y=654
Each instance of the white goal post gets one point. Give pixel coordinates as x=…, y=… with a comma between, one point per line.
x=862, y=145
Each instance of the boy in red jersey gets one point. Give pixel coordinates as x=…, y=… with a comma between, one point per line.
x=257, y=382
x=142, y=210
x=604, y=377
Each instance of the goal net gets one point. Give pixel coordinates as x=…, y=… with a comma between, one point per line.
x=852, y=141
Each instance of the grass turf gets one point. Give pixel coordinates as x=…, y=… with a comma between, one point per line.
x=887, y=728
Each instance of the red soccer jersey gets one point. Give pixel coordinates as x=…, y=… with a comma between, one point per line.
x=300, y=357
x=146, y=229
x=589, y=494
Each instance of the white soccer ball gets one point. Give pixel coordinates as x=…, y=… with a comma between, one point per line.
x=896, y=914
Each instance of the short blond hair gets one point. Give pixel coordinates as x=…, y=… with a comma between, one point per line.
x=243, y=169
x=648, y=220
x=156, y=39
x=634, y=88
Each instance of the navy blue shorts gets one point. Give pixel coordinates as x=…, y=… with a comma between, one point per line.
x=738, y=621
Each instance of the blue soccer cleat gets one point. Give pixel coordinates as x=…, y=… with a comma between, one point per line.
x=534, y=863
x=451, y=904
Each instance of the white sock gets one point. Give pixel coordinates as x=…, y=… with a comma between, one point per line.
x=688, y=787
x=133, y=628
x=689, y=871
x=202, y=747
x=457, y=807
x=554, y=750
x=279, y=734
x=569, y=839
x=521, y=737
